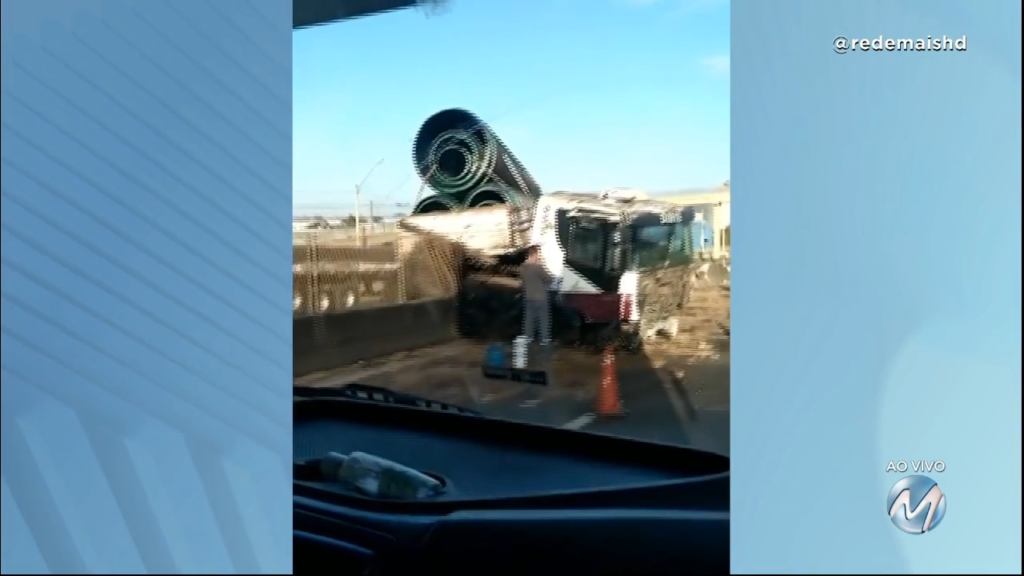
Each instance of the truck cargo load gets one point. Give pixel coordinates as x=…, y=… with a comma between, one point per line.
x=485, y=233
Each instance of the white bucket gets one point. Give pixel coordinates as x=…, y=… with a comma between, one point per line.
x=520, y=347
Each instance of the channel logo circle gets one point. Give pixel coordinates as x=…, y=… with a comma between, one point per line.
x=916, y=504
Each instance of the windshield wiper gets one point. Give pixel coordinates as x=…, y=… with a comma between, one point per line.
x=378, y=395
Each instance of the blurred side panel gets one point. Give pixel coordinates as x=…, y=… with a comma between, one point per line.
x=146, y=246
x=877, y=299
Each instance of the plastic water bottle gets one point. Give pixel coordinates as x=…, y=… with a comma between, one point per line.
x=378, y=477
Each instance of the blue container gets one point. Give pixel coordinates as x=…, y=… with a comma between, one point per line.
x=495, y=356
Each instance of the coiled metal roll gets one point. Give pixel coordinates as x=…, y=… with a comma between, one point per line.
x=459, y=157
x=436, y=203
x=491, y=194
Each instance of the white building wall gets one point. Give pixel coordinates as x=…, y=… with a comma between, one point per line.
x=716, y=210
x=723, y=215
x=722, y=220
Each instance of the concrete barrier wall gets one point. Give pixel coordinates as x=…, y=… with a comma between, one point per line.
x=333, y=340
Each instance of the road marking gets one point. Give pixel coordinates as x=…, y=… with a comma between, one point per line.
x=347, y=375
x=580, y=422
x=674, y=396
x=474, y=393
x=311, y=379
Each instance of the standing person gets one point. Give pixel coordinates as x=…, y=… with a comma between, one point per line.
x=536, y=298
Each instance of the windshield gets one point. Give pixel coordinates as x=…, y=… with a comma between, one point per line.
x=663, y=244
x=587, y=245
x=424, y=171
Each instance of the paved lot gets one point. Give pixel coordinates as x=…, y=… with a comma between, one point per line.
x=675, y=392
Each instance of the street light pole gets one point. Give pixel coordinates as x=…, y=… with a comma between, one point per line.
x=359, y=234
x=359, y=227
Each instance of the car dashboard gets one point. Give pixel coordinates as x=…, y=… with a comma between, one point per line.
x=518, y=498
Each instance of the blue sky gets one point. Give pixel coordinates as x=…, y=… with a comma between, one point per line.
x=588, y=94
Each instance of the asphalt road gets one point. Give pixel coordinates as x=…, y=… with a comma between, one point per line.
x=678, y=399
x=676, y=391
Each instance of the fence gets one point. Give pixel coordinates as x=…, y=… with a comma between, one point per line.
x=368, y=233
x=333, y=273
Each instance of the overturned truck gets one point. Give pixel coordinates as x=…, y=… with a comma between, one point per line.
x=622, y=265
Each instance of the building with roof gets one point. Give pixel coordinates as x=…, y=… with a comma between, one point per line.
x=714, y=207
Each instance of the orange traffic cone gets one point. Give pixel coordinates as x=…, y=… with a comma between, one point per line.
x=609, y=402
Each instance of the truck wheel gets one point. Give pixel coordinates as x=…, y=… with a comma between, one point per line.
x=634, y=343
x=567, y=325
x=604, y=338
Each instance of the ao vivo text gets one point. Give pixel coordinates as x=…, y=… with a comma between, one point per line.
x=916, y=466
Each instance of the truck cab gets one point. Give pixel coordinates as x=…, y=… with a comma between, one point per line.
x=622, y=267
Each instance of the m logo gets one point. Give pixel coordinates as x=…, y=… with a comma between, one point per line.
x=916, y=504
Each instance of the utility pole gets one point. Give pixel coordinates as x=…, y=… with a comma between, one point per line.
x=360, y=240
x=359, y=227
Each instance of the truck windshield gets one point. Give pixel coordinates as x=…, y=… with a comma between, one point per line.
x=662, y=244
x=587, y=245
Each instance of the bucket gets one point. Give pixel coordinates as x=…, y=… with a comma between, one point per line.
x=520, y=347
